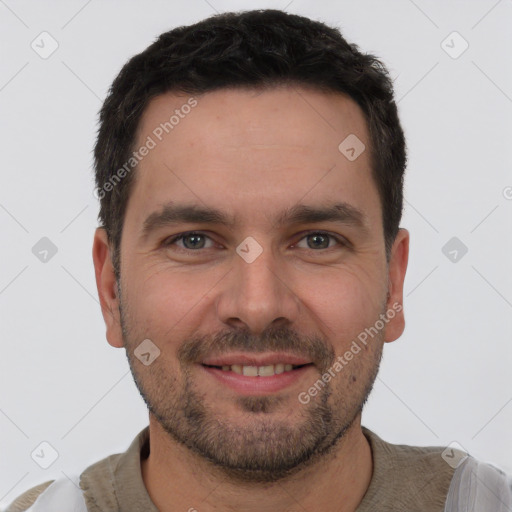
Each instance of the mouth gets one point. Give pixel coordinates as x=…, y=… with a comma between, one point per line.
x=267, y=370
x=249, y=374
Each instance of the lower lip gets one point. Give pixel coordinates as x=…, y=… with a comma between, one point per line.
x=257, y=385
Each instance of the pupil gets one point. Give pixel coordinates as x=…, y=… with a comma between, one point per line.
x=194, y=239
x=316, y=237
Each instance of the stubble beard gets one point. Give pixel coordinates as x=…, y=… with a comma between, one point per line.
x=265, y=449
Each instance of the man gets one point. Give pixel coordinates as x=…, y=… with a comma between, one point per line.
x=250, y=261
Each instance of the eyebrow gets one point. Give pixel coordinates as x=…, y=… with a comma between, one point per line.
x=173, y=213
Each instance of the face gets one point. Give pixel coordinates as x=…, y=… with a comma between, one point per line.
x=253, y=259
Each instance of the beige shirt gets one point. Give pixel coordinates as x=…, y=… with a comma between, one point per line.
x=404, y=479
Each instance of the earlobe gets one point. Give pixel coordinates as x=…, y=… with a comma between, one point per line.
x=106, y=284
x=396, y=275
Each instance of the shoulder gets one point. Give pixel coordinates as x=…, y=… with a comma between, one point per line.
x=409, y=477
x=438, y=458
x=96, y=482
x=26, y=500
x=478, y=485
x=97, y=478
x=433, y=478
x=55, y=492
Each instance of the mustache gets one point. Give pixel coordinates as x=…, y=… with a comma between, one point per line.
x=274, y=339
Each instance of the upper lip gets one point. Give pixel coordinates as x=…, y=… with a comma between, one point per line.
x=245, y=359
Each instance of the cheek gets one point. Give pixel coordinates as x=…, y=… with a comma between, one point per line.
x=165, y=303
x=345, y=302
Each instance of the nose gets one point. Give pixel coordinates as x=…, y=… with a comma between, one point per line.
x=258, y=295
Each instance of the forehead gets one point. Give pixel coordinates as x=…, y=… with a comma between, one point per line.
x=245, y=151
x=236, y=117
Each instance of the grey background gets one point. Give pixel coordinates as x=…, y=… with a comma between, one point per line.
x=447, y=379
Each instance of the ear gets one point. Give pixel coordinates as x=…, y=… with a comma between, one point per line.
x=107, y=287
x=396, y=274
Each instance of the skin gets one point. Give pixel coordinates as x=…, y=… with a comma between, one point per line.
x=253, y=154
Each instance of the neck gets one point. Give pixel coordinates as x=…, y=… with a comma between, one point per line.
x=178, y=479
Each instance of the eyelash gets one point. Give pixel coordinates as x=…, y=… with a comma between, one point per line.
x=170, y=241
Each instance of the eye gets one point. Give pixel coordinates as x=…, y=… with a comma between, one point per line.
x=190, y=241
x=195, y=240
x=320, y=240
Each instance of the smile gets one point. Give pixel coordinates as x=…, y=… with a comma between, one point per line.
x=258, y=371
x=257, y=380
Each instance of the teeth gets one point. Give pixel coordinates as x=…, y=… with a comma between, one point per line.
x=250, y=371
x=236, y=368
x=261, y=371
x=265, y=371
